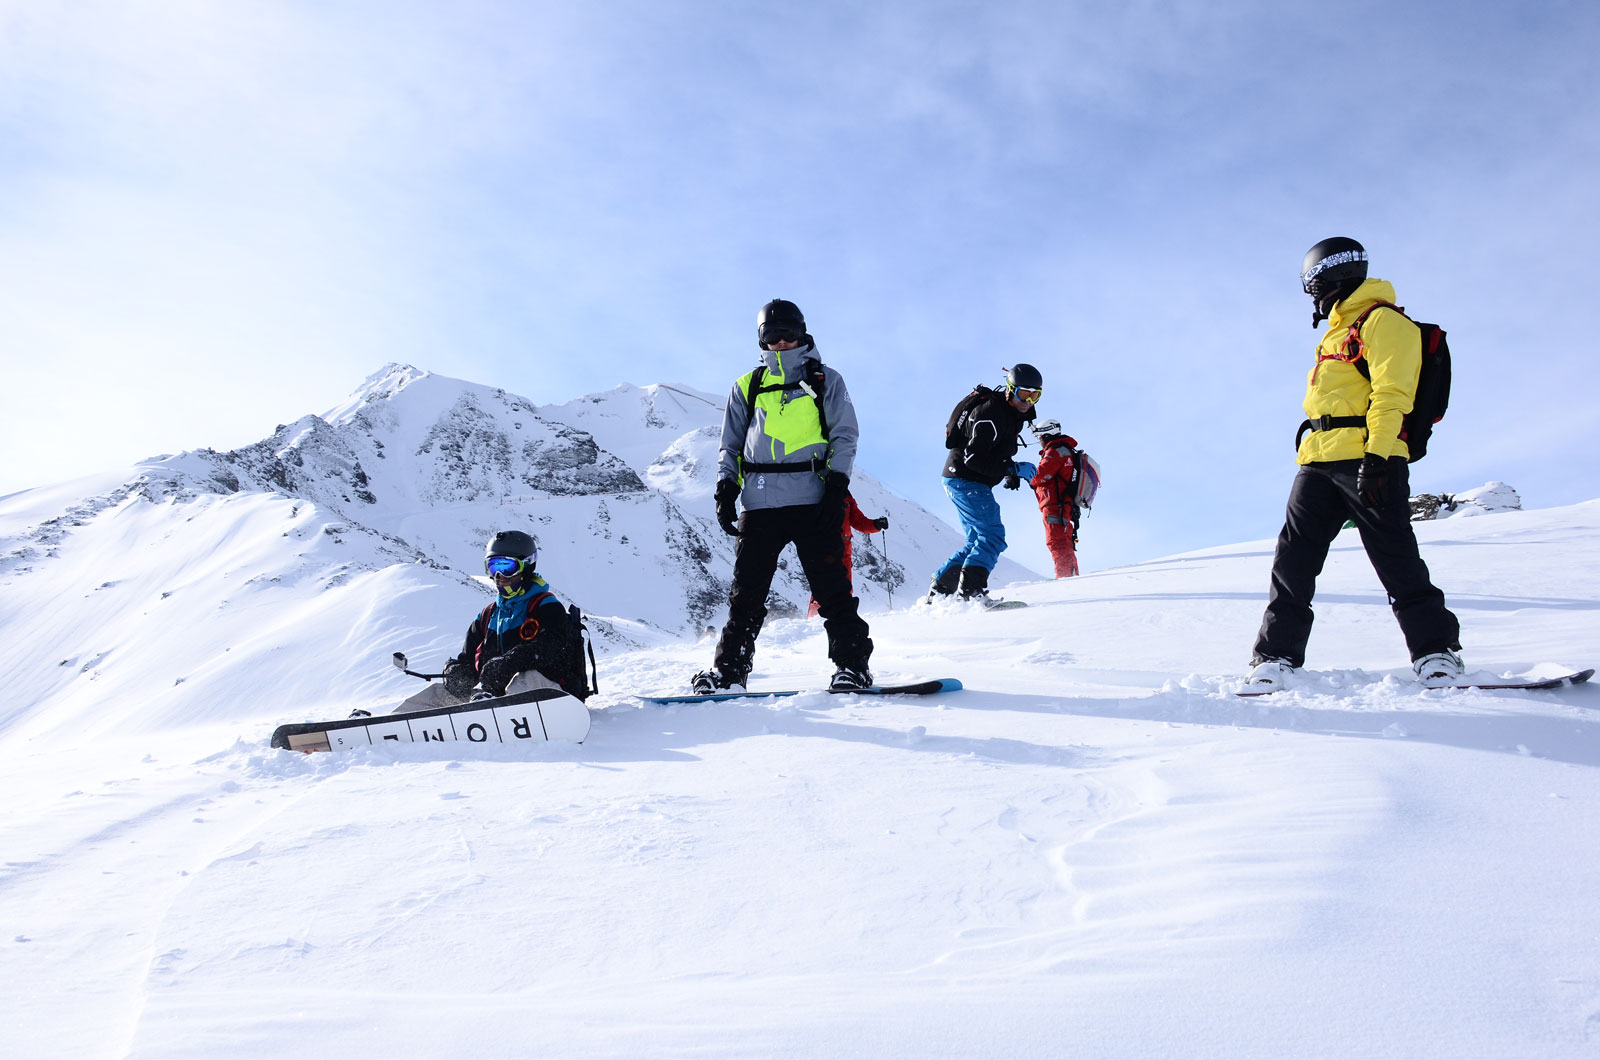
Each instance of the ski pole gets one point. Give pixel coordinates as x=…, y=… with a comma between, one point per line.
x=888, y=571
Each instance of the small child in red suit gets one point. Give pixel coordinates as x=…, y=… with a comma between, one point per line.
x=854, y=519
x=1052, y=484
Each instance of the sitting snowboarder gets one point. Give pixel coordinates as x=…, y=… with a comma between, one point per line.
x=524, y=640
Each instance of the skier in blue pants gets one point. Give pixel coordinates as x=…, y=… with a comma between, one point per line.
x=982, y=438
x=980, y=518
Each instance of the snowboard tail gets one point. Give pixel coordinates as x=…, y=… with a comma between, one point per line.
x=535, y=716
x=1486, y=684
x=915, y=688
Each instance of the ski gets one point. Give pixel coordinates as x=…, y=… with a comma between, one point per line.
x=534, y=716
x=1488, y=683
x=1004, y=605
x=915, y=688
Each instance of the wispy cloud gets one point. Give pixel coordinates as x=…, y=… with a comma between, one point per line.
x=214, y=217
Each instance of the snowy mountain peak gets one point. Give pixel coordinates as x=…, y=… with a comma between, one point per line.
x=641, y=425
x=377, y=388
x=418, y=468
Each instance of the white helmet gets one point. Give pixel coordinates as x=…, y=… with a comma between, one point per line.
x=1044, y=430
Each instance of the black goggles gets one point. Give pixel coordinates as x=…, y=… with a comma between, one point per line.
x=771, y=333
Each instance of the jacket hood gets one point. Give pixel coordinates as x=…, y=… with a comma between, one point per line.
x=783, y=366
x=1345, y=313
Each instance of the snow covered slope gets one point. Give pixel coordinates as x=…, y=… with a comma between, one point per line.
x=1095, y=850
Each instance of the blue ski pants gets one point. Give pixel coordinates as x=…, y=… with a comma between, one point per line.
x=980, y=518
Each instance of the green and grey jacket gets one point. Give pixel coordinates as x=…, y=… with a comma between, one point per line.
x=785, y=429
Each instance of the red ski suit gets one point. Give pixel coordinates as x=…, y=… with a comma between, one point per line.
x=1052, y=484
x=853, y=520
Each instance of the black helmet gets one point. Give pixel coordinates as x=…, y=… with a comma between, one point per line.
x=1331, y=272
x=780, y=321
x=513, y=543
x=1024, y=377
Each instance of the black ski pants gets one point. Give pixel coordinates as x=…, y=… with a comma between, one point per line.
x=1322, y=498
x=763, y=533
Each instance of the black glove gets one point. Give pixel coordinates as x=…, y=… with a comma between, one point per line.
x=830, y=510
x=881, y=522
x=459, y=678
x=498, y=671
x=1011, y=481
x=727, y=505
x=1372, y=481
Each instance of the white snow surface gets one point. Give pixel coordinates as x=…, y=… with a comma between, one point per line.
x=1093, y=850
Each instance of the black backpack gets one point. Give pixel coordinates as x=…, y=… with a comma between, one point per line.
x=955, y=429
x=1433, y=384
x=585, y=680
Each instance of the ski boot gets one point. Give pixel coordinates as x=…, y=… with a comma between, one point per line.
x=974, y=584
x=850, y=678
x=945, y=584
x=1439, y=670
x=711, y=682
x=1269, y=675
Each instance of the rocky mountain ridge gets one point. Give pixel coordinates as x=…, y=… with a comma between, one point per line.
x=419, y=468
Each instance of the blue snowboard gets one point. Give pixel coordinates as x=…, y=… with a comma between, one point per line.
x=917, y=688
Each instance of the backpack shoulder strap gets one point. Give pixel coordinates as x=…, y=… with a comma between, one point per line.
x=1353, y=352
x=750, y=394
x=812, y=381
x=580, y=630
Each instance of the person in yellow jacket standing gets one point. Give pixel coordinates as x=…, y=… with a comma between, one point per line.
x=1353, y=466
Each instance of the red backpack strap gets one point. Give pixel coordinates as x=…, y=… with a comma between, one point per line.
x=1352, y=339
x=483, y=628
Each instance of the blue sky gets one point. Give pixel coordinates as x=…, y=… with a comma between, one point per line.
x=215, y=218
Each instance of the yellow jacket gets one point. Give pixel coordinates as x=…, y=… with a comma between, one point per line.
x=1392, y=346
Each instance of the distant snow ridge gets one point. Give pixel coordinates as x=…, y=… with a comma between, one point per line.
x=1490, y=497
x=420, y=469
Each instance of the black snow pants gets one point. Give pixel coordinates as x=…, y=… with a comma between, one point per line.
x=763, y=533
x=1322, y=498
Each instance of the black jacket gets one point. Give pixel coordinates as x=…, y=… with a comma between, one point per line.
x=535, y=625
x=991, y=437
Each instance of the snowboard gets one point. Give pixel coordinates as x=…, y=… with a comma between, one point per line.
x=1490, y=684
x=915, y=688
x=535, y=716
x=987, y=604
